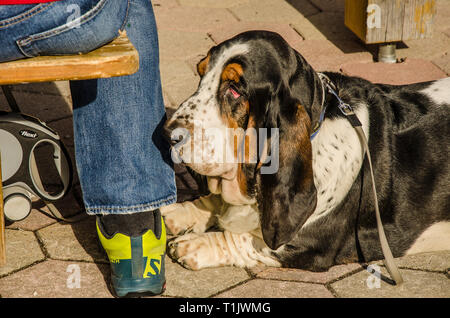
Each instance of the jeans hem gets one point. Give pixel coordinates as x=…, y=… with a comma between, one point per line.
x=146, y=207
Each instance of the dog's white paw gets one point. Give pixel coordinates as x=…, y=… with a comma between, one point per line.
x=192, y=216
x=185, y=217
x=175, y=218
x=197, y=251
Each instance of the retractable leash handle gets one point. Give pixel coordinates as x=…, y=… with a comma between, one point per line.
x=389, y=262
x=21, y=135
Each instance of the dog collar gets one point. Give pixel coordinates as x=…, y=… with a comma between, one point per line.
x=316, y=128
x=329, y=87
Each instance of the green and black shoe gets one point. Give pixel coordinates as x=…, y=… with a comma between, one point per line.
x=137, y=262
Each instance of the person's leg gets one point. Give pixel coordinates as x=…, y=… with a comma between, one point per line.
x=123, y=159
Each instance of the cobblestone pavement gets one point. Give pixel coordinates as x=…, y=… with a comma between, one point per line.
x=42, y=253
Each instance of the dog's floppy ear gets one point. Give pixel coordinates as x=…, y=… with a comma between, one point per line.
x=288, y=197
x=202, y=66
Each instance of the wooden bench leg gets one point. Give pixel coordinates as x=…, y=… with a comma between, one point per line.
x=2, y=224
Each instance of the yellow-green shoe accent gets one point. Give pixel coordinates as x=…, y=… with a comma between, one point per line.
x=137, y=263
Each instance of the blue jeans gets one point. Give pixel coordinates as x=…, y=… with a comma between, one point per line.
x=122, y=158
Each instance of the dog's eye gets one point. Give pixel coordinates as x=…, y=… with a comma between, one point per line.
x=234, y=92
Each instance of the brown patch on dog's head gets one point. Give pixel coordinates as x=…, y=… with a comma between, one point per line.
x=232, y=72
x=299, y=143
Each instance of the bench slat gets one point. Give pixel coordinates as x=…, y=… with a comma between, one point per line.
x=117, y=58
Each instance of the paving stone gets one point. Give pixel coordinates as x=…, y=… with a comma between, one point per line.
x=212, y=3
x=435, y=261
x=289, y=274
x=330, y=5
x=261, y=288
x=324, y=63
x=45, y=107
x=255, y=270
x=178, y=80
x=271, y=11
x=443, y=63
x=70, y=207
x=182, y=282
x=326, y=56
x=417, y=284
x=305, y=7
x=446, y=32
x=168, y=102
x=335, y=47
x=200, y=19
x=288, y=33
x=22, y=249
x=179, y=92
x=409, y=71
x=75, y=242
x=173, y=69
x=165, y=3
x=312, y=48
x=36, y=220
x=332, y=26
x=307, y=29
x=429, y=49
x=59, y=88
x=182, y=45
x=54, y=279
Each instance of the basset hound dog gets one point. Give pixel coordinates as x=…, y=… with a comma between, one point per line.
x=312, y=207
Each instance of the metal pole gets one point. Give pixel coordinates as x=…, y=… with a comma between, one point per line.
x=386, y=53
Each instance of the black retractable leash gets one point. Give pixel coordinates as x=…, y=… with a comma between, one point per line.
x=20, y=136
x=348, y=112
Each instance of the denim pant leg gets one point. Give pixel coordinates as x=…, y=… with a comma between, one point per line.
x=62, y=27
x=123, y=160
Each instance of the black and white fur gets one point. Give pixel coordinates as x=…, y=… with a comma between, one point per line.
x=317, y=210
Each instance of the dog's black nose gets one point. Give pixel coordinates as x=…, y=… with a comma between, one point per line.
x=174, y=132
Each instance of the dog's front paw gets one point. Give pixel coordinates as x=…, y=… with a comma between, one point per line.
x=197, y=251
x=175, y=218
x=195, y=216
x=182, y=217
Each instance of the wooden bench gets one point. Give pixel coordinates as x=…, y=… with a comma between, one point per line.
x=117, y=58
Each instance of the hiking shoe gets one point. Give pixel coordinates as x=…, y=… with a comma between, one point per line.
x=137, y=262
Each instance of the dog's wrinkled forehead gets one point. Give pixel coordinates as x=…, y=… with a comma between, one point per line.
x=213, y=65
